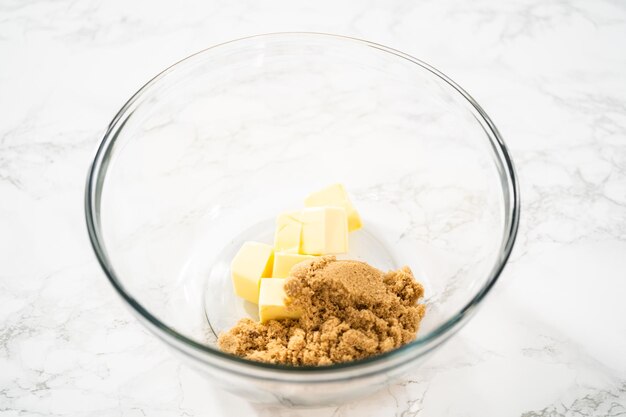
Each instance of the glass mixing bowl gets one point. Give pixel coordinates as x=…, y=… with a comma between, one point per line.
x=207, y=153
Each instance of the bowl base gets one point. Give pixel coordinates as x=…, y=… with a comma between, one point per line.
x=223, y=308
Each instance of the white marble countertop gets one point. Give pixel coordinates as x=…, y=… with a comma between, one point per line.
x=550, y=340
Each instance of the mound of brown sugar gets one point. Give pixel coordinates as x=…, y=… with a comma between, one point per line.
x=350, y=310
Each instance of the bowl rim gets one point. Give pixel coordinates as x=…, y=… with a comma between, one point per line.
x=508, y=177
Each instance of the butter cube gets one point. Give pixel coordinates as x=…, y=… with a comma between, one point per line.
x=283, y=262
x=273, y=301
x=253, y=262
x=324, y=231
x=336, y=195
x=288, y=232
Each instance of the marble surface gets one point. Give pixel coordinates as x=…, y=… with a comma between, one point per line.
x=549, y=341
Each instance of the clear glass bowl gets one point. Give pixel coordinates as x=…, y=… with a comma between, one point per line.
x=208, y=152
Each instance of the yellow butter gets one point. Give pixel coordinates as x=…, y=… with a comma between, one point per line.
x=288, y=232
x=273, y=301
x=336, y=195
x=284, y=261
x=324, y=231
x=253, y=262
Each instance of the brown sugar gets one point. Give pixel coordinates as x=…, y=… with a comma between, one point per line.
x=350, y=310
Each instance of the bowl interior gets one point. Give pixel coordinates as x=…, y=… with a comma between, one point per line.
x=208, y=153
